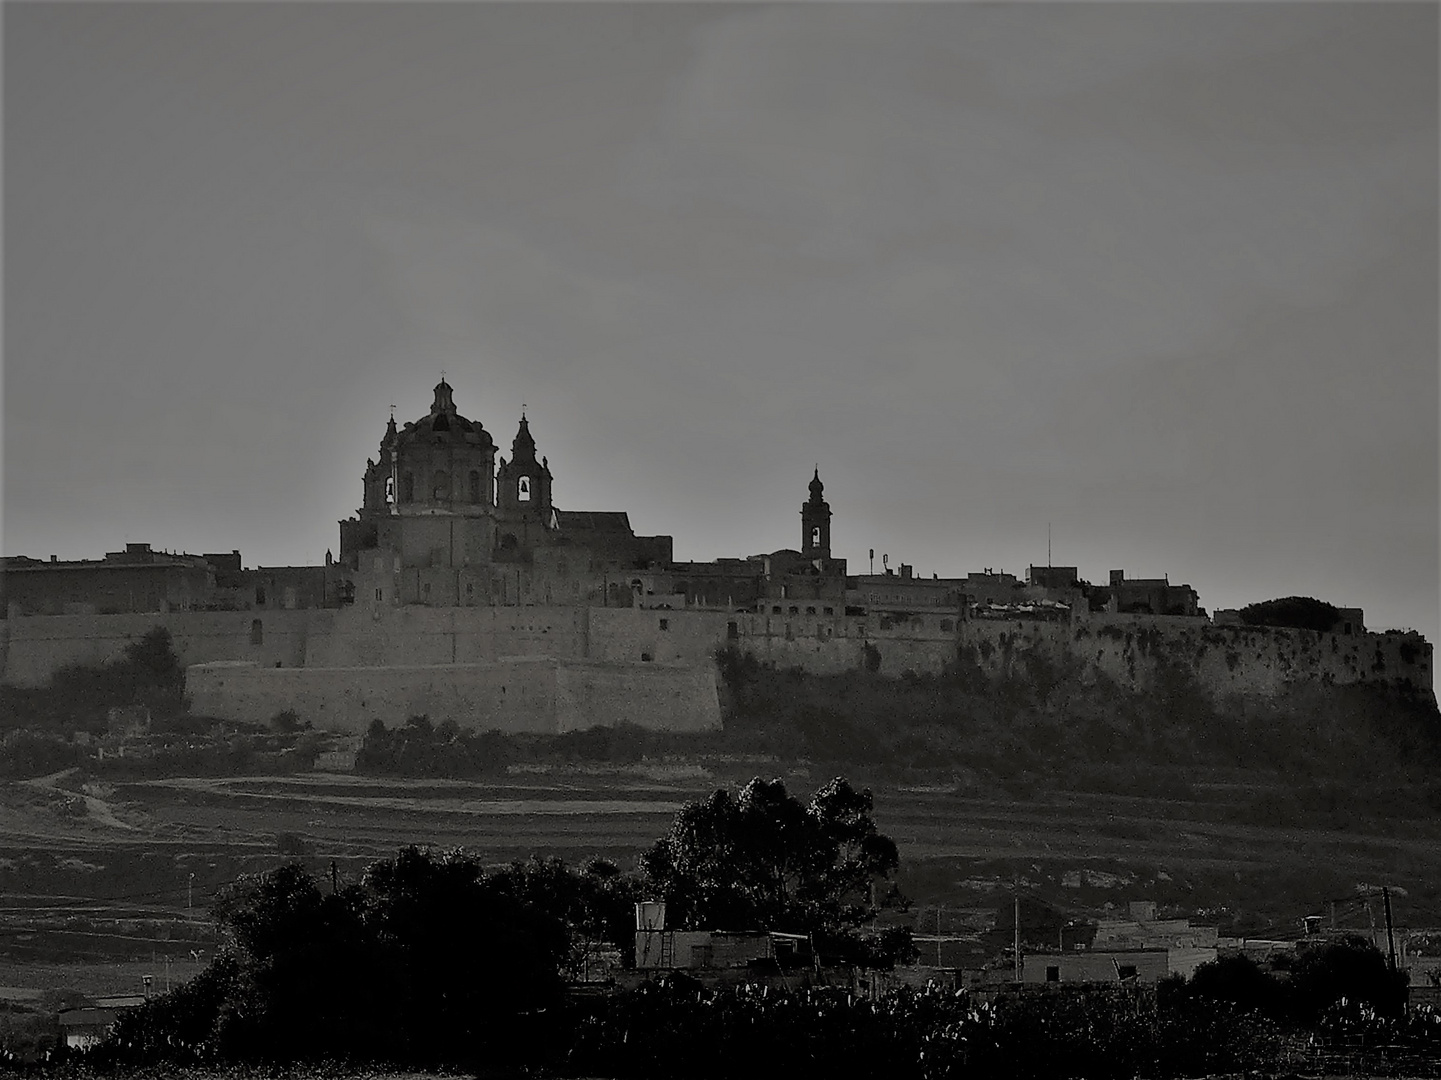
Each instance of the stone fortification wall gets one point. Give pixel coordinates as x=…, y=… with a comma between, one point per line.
x=40, y=645
x=1127, y=648
x=536, y=695
x=365, y=635
x=663, y=635
x=829, y=644
x=1133, y=649
x=663, y=697
x=513, y=696
x=357, y=636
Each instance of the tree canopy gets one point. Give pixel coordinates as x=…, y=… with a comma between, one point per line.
x=401, y=966
x=763, y=860
x=1294, y=612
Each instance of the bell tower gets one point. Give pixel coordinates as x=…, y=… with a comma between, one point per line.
x=816, y=522
x=523, y=486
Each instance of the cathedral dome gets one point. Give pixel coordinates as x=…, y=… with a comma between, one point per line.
x=443, y=420
x=440, y=463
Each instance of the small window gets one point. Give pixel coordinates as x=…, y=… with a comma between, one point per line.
x=257, y=632
x=1053, y=974
x=795, y=610
x=732, y=631
x=776, y=610
x=425, y=589
x=440, y=486
x=1126, y=971
x=469, y=588
x=260, y=596
x=665, y=624
x=810, y=611
x=947, y=625
x=522, y=489
x=379, y=594
x=645, y=657
x=830, y=611
x=816, y=537
x=390, y=489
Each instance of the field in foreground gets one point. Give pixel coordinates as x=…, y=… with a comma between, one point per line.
x=124, y=884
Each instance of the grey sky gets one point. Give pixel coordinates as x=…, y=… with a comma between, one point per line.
x=1163, y=276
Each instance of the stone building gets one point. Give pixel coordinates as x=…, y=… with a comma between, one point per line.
x=135, y=579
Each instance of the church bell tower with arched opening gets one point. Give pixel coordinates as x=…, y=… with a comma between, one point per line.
x=816, y=522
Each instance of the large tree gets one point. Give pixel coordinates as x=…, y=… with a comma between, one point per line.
x=763, y=860
x=423, y=961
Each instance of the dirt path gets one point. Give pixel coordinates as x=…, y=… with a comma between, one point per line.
x=98, y=809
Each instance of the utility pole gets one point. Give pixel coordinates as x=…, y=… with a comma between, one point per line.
x=1390, y=937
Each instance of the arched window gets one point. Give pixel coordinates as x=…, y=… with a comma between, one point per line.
x=257, y=632
x=522, y=489
x=390, y=489
x=407, y=488
x=816, y=536
x=440, y=486
x=474, y=486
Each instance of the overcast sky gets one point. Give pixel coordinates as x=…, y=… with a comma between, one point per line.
x=1160, y=276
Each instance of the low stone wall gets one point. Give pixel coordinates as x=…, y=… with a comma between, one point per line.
x=538, y=695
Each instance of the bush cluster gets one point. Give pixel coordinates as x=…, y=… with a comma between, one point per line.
x=748, y=1031
x=422, y=961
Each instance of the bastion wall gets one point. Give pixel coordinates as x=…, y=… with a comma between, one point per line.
x=606, y=651
x=1134, y=650
x=538, y=695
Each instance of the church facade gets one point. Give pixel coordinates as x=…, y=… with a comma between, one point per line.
x=444, y=522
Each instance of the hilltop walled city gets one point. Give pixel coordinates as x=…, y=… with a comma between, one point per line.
x=461, y=591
